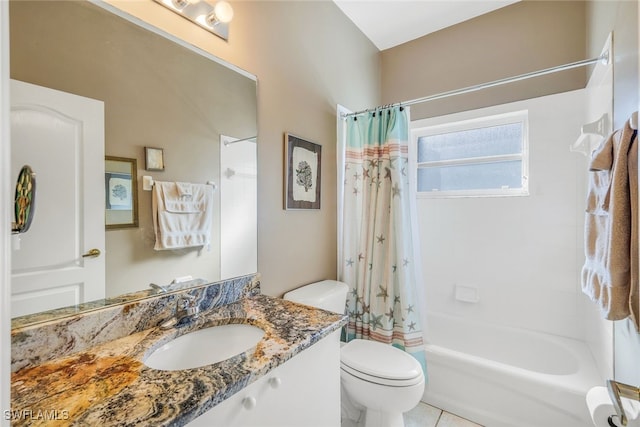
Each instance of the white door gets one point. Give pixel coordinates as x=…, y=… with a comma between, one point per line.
x=61, y=136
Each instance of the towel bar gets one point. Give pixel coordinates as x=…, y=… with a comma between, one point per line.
x=618, y=390
x=147, y=183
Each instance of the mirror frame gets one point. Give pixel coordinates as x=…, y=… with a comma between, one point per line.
x=120, y=216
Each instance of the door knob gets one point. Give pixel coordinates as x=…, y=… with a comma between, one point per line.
x=92, y=253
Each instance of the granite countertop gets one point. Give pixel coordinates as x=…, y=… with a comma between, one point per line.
x=109, y=385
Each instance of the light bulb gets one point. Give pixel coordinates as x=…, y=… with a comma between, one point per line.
x=222, y=12
x=180, y=4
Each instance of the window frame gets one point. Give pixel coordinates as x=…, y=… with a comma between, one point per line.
x=514, y=117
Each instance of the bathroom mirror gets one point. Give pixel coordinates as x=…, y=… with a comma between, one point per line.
x=157, y=91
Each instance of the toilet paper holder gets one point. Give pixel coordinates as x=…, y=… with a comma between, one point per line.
x=618, y=390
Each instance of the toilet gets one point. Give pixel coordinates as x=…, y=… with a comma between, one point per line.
x=377, y=379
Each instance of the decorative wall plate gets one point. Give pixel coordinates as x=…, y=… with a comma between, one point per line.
x=25, y=198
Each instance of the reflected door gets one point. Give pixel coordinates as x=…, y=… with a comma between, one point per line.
x=60, y=260
x=238, y=207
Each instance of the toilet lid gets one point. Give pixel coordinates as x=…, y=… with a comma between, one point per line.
x=381, y=363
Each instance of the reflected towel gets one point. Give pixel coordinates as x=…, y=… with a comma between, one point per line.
x=185, y=190
x=607, y=271
x=178, y=221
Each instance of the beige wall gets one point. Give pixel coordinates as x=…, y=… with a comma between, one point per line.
x=517, y=39
x=308, y=57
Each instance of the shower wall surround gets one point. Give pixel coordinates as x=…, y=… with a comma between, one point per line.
x=522, y=253
x=621, y=17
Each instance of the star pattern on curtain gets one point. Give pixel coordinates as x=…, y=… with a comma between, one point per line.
x=377, y=243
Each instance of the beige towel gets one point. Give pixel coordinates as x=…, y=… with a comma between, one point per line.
x=634, y=291
x=182, y=214
x=609, y=243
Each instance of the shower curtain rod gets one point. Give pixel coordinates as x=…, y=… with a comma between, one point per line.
x=604, y=58
x=251, y=138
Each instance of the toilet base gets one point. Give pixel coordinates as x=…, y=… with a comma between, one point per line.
x=350, y=410
x=373, y=418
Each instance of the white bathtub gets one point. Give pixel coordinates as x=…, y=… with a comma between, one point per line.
x=506, y=377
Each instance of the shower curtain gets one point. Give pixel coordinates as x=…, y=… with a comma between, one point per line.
x=377, y=250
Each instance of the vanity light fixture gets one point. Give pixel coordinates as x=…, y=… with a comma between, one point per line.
x=214, y=18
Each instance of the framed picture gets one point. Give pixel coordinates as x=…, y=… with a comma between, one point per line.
x=303, y=161
x=154, y=159
x=121, y=192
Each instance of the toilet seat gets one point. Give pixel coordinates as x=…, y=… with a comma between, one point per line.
x=380, y=363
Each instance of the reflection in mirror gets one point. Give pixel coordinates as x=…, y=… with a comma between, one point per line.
x=156, y=91
x=24, y=200
x=121, y=192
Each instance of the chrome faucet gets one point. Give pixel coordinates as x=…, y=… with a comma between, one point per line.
x=186, y=308
x=617, y=391
x=159, y=288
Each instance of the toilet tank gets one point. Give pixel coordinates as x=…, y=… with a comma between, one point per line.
x=329, y=295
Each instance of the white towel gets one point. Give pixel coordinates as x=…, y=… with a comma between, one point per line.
x=181, y=221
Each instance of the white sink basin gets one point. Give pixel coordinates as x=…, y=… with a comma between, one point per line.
x=204, y=347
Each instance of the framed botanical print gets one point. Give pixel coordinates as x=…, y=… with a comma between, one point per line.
x=303, y=161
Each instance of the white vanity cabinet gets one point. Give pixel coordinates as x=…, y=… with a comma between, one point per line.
x=302, y=392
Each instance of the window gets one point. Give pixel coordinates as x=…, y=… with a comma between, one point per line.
x=479, y=157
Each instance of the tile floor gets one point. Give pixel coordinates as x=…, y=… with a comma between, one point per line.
x=425, y=415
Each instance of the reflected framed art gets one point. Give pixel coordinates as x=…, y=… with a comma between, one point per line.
x=121, y=192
